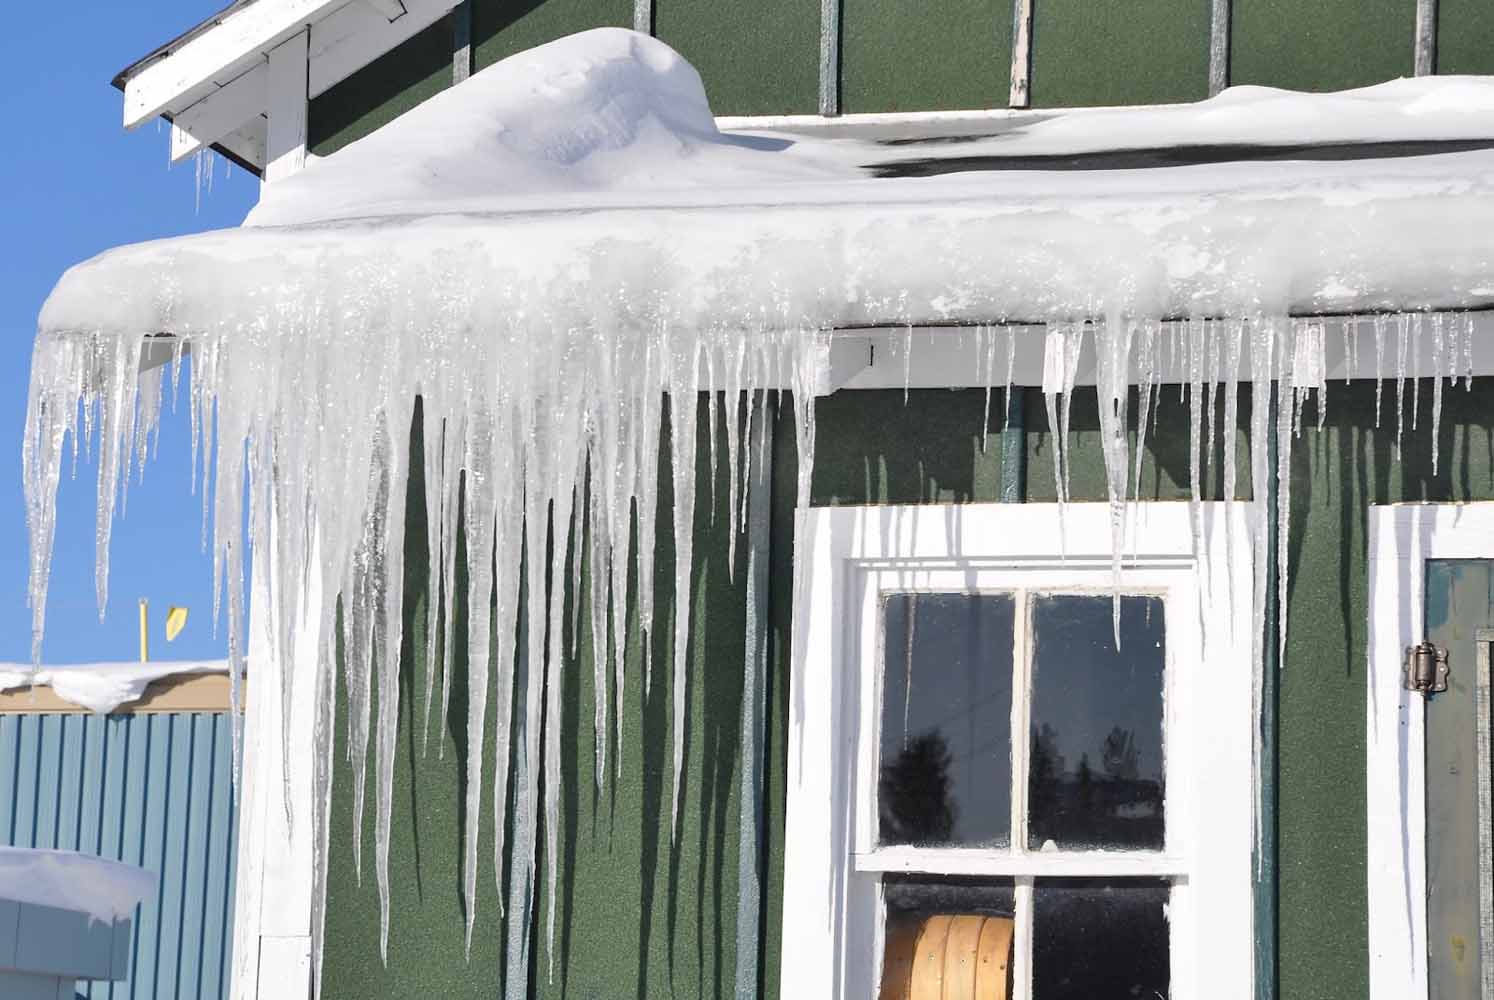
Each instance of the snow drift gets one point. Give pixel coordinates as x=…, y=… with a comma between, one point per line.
x=559, y=254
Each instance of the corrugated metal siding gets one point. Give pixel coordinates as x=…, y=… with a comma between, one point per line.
x=153, y=790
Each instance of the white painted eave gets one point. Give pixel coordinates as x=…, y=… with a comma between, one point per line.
x=212, y=82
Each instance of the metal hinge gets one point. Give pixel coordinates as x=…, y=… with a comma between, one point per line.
x=1425, y=668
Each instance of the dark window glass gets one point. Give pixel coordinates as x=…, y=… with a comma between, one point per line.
x=1095, y=770
x=1095, y=940
x=946, y=720
x=947, y=936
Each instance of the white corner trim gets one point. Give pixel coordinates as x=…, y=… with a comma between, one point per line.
x=1402, y=537
x=272, y=929
x=846, y=557
x=286, y=147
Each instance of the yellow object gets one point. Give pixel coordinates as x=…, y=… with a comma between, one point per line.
x=144, y=630
x=948, y=956
x=176, y=620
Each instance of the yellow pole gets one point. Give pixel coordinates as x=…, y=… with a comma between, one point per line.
x=144, y=632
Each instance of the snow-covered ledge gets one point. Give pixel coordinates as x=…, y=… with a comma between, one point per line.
x=102, y=687
x=65, y=916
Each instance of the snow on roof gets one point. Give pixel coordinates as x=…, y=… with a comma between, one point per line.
x=105, y=890
x=595, y=158
x=102, y=687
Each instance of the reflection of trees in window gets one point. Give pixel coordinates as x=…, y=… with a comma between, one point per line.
x=1115, y=808
x=913, y=793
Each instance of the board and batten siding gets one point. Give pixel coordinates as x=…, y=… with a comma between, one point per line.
x=152, y=789
x=781, y=57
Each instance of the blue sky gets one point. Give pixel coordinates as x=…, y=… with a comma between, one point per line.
x=73, y=183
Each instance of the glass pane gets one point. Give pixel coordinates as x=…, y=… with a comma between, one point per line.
x=1095, y=772
x=947, y=937
x=946, y=720
x=1095, y=940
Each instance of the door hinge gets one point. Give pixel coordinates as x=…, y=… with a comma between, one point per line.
x=1425, y=668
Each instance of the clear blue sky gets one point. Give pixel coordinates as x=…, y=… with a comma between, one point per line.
x=73, y=183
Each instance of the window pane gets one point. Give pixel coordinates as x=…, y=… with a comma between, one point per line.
x=1096, y=940
x=1095, y=771
x=946, y=720
x=947, y=937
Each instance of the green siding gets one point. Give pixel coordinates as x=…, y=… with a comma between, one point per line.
x=1465, y=36
x=383, y=90
x=502, y=27
x=1111, y=52
x=899, y=56
x=1321, y=44
x=760, y=58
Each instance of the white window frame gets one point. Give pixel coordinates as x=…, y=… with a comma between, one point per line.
x=1402, y=537
x=847, y=558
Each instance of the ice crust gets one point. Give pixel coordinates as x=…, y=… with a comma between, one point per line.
x=105, y=890
x=558, y=255
x=102, y=687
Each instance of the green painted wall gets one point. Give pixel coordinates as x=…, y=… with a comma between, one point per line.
x=1321, y=44
x=381, y=91
x=634, y=917
x=761, y=58
x=502, y=27
x=898, y=56
x=1465, y=36
x=1111, y=52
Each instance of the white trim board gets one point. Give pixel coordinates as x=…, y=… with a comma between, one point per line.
x=850, y=556
x=954, y=357
x=1402, y=537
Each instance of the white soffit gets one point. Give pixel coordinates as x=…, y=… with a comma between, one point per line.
x=213, y=84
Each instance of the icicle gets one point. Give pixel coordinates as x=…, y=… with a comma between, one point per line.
x=1438, y=346
x=1415, y=368
x=1112, y=355
x=1402, y=331
x=985, y=343
x=1467, y=352
x=1287, y=389
x=1234, y=340
x=1379, y=325
x=682, y=401
x=907, y=361
x=1011, y=366
x=1195, y=433
x=733, y=401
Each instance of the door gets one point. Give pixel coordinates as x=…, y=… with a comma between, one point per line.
x=1460, y=850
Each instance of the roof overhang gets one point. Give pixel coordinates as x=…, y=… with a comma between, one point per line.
x=212, y=82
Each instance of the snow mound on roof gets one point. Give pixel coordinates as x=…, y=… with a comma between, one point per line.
x=607, y=109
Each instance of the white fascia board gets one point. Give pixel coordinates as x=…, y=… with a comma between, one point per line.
x=355, y=35
x=221, y=112
x=391, y=9
x=244, y=36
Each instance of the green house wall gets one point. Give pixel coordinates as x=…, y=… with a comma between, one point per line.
x=636, y=917
x=763, y=58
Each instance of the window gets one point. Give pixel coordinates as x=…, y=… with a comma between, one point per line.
x=984, y=791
